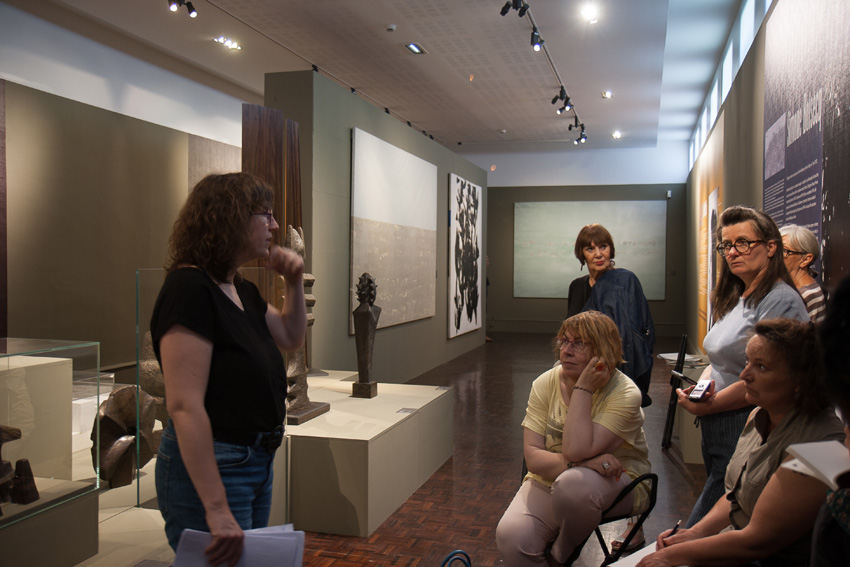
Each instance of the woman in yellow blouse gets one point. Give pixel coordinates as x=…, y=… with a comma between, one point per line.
x=583, y=443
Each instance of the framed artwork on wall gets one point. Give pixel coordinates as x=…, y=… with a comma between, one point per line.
x=393, y=229
x=465, y=262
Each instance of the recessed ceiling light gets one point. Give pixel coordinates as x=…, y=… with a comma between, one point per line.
x=493, y=167
x=415, y=48
x=616, y=134
x=590, y=13
x=607, y=94
x=227, y=42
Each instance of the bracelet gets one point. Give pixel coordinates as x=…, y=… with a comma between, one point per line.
x=582, y=389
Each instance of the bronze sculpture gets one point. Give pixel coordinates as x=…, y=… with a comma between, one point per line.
x=366, y=317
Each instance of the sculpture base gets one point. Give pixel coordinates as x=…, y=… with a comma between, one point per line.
x=314, y=410
x=364, y=389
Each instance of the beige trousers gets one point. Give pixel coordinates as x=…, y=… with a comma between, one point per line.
x=564, y=515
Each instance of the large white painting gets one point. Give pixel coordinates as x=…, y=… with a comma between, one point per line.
x=465, y=262
x=393, y=228
x=545, y=235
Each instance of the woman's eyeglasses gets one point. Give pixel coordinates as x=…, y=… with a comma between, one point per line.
x=788, y=252
x=577, y=344
x=742, y=245
x=269, y=216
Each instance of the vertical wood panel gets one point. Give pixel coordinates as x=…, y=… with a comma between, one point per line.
x=292, y=186
x=270, y=150
x=4, y=242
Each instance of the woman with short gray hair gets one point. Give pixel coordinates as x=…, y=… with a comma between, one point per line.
x=801, y=250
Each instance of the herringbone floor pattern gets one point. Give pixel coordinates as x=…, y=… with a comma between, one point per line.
x=460, y=505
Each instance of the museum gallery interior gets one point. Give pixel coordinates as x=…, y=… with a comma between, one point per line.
x=436, y=161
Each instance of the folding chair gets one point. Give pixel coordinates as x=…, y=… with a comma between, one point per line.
x=652, y=479
x=610, y=557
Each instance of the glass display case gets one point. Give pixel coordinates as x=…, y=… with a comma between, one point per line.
x=49, y=395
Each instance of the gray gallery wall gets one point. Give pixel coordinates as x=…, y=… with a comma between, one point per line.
x=326, y=113
x=91, y=197
x=509, y=313
x=742, y=156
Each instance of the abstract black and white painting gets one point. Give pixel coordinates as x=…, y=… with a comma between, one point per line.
x=465, y=262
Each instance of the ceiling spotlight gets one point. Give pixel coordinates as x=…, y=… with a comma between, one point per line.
x=315, y=69
x=226, y=42
x=536, y=41
x=173, y=5
x=506, y=8
x=517, y=4
x=415, y=48
x=616, y=134
x=575, y=124
x=590, y=13
x=387, y=110
x=192, y=12
x=607, y=94
x=353, y=90
x=567, y=104
x=562, y=95
x=523, y=9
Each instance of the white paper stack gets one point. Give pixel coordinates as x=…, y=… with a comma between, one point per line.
x=275, y=546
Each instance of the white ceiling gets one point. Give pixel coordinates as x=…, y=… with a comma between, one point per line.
x=480, y=84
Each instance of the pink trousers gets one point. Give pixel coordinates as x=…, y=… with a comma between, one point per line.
x=565, y=514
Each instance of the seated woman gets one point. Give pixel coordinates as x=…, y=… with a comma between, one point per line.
x=768, y=512
x=583, y=429
x=831, y=537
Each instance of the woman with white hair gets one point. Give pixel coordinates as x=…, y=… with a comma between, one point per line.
x=801, y=250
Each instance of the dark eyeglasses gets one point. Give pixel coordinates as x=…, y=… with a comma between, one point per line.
x=269, y=216
x=788, y=252
x=742, y=245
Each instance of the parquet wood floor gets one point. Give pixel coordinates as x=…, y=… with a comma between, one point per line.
x=460, y=505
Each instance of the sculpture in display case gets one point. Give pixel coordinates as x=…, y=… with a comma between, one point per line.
x=118, y=433
x=24, y=490
x=366, y=317
x=16, y=485
x=7, y=473
x=299, y=408
x=152, y=382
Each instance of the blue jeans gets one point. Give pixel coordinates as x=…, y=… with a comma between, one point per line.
x=245, y=471
x=720, y=433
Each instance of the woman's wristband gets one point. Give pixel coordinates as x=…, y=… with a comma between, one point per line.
x=582, y=389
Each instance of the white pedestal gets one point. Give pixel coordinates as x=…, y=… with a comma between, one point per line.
x=35, y=396
x=355, y=465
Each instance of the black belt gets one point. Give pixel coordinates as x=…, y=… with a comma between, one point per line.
x=267, y=440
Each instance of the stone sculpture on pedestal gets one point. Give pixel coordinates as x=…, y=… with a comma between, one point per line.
x=117, y=417
x=299, y=408
x=366, y=317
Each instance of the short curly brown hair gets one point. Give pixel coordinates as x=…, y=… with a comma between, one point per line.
x=212, y=228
